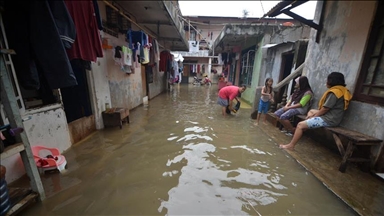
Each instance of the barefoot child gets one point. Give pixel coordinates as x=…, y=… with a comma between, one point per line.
x=266, y=97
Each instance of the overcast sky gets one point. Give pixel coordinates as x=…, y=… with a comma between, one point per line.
x=235, y=8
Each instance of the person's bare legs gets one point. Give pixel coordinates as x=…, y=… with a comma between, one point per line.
x=223, y=109
x=265, y=118
x=301, y=127
x=287, y=125
x=257, y=119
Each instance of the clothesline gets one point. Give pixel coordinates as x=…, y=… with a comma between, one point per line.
x=125, y=16
x=202, y=64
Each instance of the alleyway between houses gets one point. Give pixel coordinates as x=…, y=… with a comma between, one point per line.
x=180, y=156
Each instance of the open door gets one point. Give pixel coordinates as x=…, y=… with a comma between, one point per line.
x=144, y=81
x=185, y=77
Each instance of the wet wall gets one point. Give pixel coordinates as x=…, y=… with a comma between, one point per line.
x=341, y=48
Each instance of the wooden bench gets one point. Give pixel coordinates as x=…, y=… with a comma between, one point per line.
x=354, y=139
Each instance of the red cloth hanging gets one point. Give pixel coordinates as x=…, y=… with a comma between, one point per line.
x=87, y=45
x=165, y=57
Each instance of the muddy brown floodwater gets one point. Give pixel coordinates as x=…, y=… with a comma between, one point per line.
x=180, y=156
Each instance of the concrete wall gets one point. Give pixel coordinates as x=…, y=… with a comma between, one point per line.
x=126, y=89
x=250, y=94
x=268, y=61
x=273, y=62
x=48, y=127
x=199, y=61
x=342, y=42
x=109, y=84
x=341, y=48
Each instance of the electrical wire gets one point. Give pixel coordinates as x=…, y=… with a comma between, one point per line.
x=262, y=6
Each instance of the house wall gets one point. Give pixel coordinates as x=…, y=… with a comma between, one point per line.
x=265, y=66
x=199, y=61
x=341, y=48
x=109, y=84
x=273, y=62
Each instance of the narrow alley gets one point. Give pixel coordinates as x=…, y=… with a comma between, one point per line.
x=117, y=100
x=180, y=156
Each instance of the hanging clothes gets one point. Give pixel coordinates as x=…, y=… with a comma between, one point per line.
x=97, y=13
x=135, y=37
x=219, y=59
x=39, y=31
x=77, y=100
x=87, y=45
x=146, y=56
x=156, y=50
x=117, y=56
x=165, y=61
x=117, y=51
x=127, y=56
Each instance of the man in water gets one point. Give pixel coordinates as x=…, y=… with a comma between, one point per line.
x=226, y=96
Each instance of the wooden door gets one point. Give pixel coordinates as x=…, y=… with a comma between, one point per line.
x=144, y=81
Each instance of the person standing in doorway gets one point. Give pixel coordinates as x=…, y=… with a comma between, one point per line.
x=332, y=107
x=227, y=94
x=267, y=96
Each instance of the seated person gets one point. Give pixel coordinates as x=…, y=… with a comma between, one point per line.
x=332, y=107
x=298, y=103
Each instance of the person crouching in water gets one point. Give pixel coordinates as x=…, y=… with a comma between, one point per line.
x=227, y=94
x=332, y=107
x=265, y=99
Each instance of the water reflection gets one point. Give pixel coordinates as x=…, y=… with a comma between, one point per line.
x=210, y=184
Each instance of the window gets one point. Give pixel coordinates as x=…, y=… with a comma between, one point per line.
x=192, y=36
x=370, y=85
x=247, y=60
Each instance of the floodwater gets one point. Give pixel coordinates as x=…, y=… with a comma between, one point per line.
x=180, y=156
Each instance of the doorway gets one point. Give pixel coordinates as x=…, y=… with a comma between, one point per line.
x=144, y=84
x=285, y=70
x=185, y=74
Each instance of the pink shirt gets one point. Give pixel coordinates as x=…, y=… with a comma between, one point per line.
x=229, y=92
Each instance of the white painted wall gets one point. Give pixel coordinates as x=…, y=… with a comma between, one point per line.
x=48, y=127
x=99, y=89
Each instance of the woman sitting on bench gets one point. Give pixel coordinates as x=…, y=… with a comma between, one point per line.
x=332, y=107
x=298, y=103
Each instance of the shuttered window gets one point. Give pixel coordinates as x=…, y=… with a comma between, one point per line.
x=370, y=85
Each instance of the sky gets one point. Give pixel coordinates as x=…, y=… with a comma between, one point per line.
x=235, y=8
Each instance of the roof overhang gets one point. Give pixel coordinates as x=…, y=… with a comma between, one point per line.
x=237, y=35
x=285, y=7
x=159, y=19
